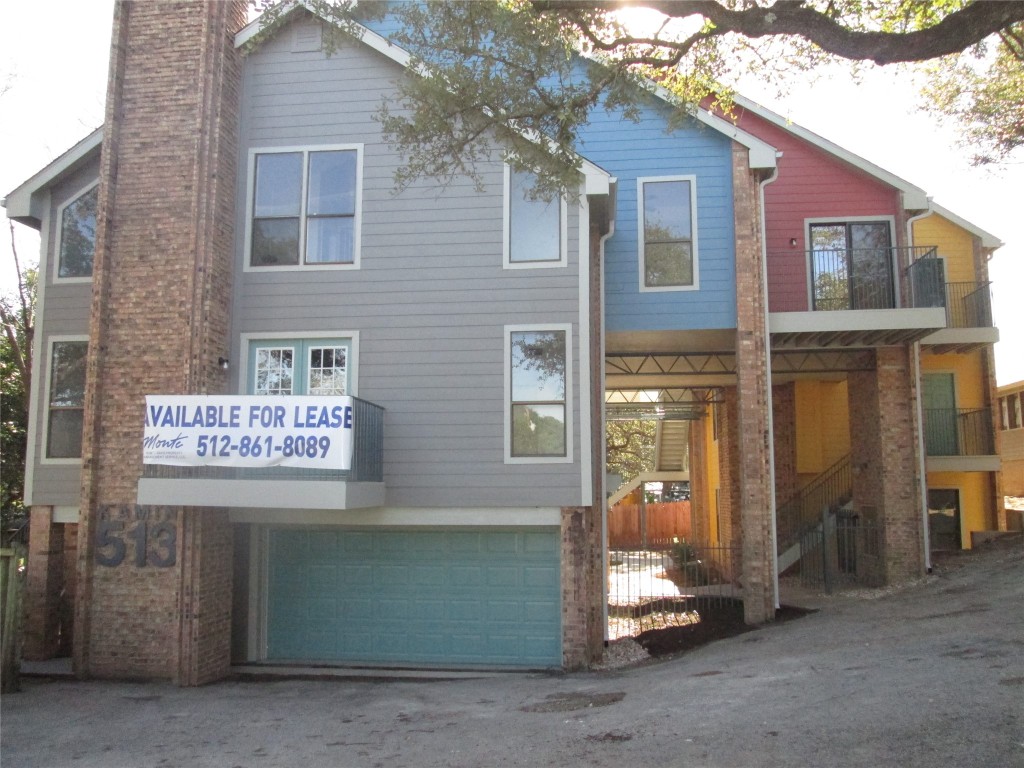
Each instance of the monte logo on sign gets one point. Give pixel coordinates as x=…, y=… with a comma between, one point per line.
x=313, y=431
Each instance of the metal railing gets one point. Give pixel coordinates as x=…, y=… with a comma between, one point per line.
x=831, y=489
x=968, y=305
x=853, y=278
x=666, y=582
x=367, y=458
x=865, y=278
x=958, y=432
x=843, y=550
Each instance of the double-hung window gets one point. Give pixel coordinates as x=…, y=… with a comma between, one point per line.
x=667, y=222
x=538, y=382
x=535, y=229
x=305, y=208
x=310, y=366
x=66, y=398
x=78, y=236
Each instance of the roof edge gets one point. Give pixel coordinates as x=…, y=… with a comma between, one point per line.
x=20, y=202
x=914, y=197
x=988, y=240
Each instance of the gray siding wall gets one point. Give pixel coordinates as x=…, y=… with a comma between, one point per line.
x=62, y=310
x=430, y=300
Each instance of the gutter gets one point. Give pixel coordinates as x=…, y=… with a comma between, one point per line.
x=768, y=381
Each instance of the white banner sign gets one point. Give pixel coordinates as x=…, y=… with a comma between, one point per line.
x=248, y=431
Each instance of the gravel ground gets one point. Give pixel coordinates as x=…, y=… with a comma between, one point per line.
x=926, y=674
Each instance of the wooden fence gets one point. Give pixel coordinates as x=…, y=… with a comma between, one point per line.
x=10, y=616
x=632, y=524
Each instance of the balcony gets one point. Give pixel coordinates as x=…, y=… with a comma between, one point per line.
x=359, y=487
x=855, y=301
x=960, y=440
x=968, y=318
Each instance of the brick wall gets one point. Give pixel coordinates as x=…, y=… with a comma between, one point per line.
x=784, y=427
x=582, y=590
x=753, y=399
x=159, y=322
x=43, y=586
x=884, y=460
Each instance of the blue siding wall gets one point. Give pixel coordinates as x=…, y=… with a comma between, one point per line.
x=628, y=151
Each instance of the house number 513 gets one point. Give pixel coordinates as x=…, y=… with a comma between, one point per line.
x=112, y=543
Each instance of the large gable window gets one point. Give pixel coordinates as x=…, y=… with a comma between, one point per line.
x=78, y=236
x=66, y=399
x=535, y=231
x=667, y=223
x=538, y=383
x=305, y=208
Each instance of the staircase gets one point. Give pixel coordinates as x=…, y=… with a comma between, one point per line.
x=673, y=446
x=832, y=489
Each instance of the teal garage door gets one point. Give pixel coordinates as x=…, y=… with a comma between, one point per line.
x=415, y=597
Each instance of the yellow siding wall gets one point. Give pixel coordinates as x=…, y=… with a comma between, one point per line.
x=822, y=426
x=955, y=246
x=977, y=506
x=968, y=375
x=713, y=474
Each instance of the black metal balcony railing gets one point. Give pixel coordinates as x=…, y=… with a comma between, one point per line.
x=958, y=432
x=853, y=278
x=367, y=458
x=865, y=278
x=968, y=305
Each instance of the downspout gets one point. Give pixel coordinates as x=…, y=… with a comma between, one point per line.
x=768, y=380
x=604, y=432
x=922, y=469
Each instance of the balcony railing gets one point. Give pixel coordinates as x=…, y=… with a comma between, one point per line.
x=958, y=432
x=865, y=278
x=367, y=458
x=968, y=305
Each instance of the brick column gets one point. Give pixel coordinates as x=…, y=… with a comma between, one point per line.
x=582, y=614
x=160, y=320
x=45, y=580
x=884, y=462
x=753, y=400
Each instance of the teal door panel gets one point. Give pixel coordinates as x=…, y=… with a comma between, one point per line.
x=424, y=597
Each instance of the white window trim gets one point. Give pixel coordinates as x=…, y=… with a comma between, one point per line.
x=507, y=400
x=506, y=232
x=357, y=223
x=57, y=279
x=246, y=340
x=44, y=444
x=840, y=219
x=641, y=180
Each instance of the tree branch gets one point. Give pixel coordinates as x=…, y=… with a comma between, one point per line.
x=954, y=33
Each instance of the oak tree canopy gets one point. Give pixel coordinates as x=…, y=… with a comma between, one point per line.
x=517, y=70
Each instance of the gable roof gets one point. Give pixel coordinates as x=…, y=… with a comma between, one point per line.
x=988, y=240
x=762, y=154
x=914, y=197
x=25, y=203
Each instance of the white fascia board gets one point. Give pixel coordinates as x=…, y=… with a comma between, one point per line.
x=988, y=240
x=914, y=198
x=375, y=41
x=24, y=205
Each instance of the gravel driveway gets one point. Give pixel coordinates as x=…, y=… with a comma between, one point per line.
x=928, y=675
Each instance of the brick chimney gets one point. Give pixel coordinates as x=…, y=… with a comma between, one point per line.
x=154, y=584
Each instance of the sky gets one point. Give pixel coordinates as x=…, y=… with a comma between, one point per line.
x=55, y=80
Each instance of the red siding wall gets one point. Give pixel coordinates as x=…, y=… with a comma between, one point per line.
x=810, y=184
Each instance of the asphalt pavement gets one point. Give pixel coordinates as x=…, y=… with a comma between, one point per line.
x=928, y=674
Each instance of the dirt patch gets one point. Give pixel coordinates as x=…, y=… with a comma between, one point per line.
x=724, y=619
